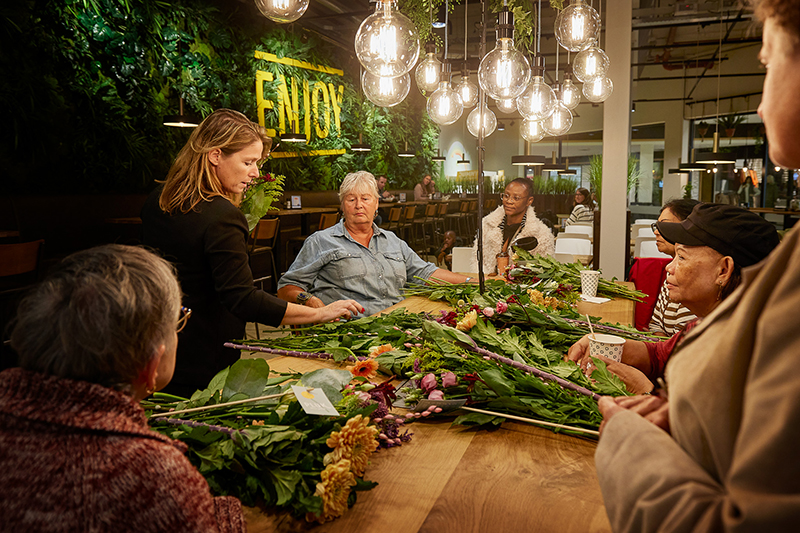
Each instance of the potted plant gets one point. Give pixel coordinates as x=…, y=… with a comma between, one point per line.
x=596, y=174
x=729, y=123
x=702, y=129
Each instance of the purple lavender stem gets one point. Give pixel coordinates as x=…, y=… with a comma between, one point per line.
x=288, y=353
x=192, y=423
x=538, y=373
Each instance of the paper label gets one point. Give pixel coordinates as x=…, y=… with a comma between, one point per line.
x=314, y=401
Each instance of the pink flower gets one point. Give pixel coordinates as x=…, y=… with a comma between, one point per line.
x=436, y=395
x=428, y=383
x=488, y=311
x=449, y=379
x=502, y=306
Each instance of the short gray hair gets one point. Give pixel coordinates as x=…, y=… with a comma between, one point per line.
x=358, y=181
x=99, y=316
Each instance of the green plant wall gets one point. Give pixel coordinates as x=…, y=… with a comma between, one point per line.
x=85, y=84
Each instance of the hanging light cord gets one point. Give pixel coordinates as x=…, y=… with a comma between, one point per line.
x=446, y=13
x=539, y=30
x=719, y=67
x=465, y=30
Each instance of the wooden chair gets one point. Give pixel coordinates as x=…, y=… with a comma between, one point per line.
x=441, y=213
x=407, y=224
x=472, y=217
x=262, y=243
x=489, y=205
x=326, y=220
x=458, y=220
x=393, y=220
x=423, y=223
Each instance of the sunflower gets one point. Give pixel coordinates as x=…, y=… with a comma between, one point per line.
x=354, y=442
x=334, y=489
x=365, y=368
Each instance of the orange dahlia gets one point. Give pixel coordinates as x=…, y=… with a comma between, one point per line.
x=366, y=368
x=334, y=489
x=354, y=442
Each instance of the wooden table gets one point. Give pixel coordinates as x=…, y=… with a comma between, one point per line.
x=304, y=212
x=788, y=216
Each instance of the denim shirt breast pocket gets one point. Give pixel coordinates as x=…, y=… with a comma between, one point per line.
x=349, y=266
x=397, y=266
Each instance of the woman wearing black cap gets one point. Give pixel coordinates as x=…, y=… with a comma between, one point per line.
x=728, y=462
x=712, y=245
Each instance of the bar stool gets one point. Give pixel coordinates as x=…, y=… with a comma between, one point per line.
x=393, y=220
x=407, y=224
x=326, y=220
x=423, y=223
x=262, y=242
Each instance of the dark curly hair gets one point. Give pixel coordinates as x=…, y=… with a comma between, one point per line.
x=784, y=13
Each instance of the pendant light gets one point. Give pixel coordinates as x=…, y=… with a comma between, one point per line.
x=692, y=165
x=406, y=153
x=291, y=137
x=570, y=93
x=507, y=106
x=438, y=157
x=590, y=64
x=598, y=90
x=568, y=171
x=181, y=120
x=577, y=26
x=387, y=43
x=560, y=120
x=463, y=160
x=553, y=166
x=715, y=157
x=445, y=106
x=360, y=146
x=467, y=90
x=532, y=130
x=537, y=101
x=282, y=11
x=427, y=73
x=504, y=72
x=384, y=91
x=527, y=159
x=481, y=117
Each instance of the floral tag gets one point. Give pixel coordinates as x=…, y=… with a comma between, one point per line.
x=314, y=401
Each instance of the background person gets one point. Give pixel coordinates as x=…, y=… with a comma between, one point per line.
x=732, y=416
x=712, y=246
x=514, y=219
x=670, y=317
x=355, y=258
x=583, y=210
x=194, y=221
x=425, y=189
x=94, y=338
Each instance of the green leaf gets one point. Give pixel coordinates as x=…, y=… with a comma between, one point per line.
x=497, y=381
x=246, y=376
x=284, y=482
x=605, y=382
x=329, y=380
x=477, y=419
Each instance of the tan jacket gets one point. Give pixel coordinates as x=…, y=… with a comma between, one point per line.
x=734, y=406
x=493, y=237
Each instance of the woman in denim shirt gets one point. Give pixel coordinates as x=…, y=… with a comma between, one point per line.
x=355, y=258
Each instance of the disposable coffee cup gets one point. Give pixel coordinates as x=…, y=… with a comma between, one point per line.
x=609, y=346
x=589, y=281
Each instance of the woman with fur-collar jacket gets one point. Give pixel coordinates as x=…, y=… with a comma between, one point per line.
x=513, y=220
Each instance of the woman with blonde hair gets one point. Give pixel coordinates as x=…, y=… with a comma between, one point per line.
x=194, y=221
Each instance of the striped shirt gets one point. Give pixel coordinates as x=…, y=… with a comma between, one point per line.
x=669, y=317
x=580, y=213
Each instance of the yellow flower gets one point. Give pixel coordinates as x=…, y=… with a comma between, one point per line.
x=468, y=322
x=365, y=368
x=537, y=298
x=334, y=490
x=377, y=350
x=354, y=442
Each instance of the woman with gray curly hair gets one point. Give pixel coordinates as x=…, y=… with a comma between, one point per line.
x=355, y=258
x=93, y=339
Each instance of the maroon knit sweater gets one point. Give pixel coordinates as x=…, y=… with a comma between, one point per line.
x=76, y=456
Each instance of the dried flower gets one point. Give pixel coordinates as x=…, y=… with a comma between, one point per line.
x=334, y=490
x=468, y=322
x=375, y=351
x=449, y=379
x=354, y=442
x=502, y=306
x=365, y=368
x=428, y=383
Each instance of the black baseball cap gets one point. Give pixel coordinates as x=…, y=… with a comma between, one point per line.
x=730, y=230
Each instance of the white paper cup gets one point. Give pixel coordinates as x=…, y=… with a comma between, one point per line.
x=589, y=281
x=609, y=346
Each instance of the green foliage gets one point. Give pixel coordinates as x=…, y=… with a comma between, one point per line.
x=596, y=174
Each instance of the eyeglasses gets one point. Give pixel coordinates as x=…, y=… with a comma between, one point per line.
x=506, y=196
x=654, y=227
x=185, y=314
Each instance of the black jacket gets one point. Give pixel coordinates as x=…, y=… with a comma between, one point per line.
x=208, y=247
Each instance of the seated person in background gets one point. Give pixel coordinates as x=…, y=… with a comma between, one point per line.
x=95, y=338
x=550, y=220
x=444, y=255
x=424, y=190
x=670, y=317
x=383, y=194
x=511, y=221
x=584, y=207
x=712, y=246
x=356, y=258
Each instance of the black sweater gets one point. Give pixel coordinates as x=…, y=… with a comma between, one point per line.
x=208, y=247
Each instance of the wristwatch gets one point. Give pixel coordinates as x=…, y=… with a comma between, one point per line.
x=303, y=297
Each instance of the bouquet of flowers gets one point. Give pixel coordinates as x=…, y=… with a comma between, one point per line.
x=259, y=196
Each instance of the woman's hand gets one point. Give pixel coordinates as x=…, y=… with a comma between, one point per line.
x=652, y=408
x=579, y=353
x=338, y=309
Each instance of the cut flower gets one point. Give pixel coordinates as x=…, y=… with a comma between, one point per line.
x=375, y=351
x=337, y=479
x=468, y=322
x=354, y=442
x=366, y=368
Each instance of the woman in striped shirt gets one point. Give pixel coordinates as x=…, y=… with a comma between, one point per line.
x=584, y=208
